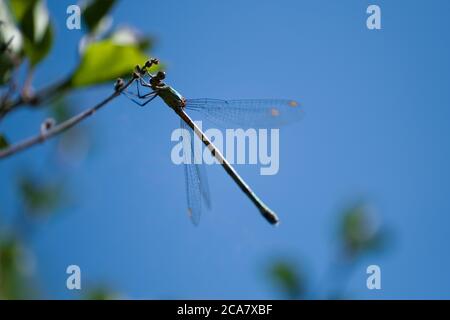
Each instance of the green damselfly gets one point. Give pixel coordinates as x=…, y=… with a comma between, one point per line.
x=256, y=112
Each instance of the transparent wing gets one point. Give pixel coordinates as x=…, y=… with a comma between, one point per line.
x=259, y=113
x=195, y=178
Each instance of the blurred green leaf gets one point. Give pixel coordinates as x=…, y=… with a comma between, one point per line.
x=38, y=51
x=11, y=43
x=9, y=279
x=360, y=230
x=105, y=61
x=9, y=33
x=3, y=142
x=60, y=109
x=34, y=22
x=19, y=7
x=40, y=198
x=101, y=293
x=95, y=11
x=287, y=276
x=6, y=67
x=13, y=281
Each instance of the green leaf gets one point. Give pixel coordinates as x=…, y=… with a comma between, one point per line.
x=287, y=276
x=60, y=109
x=95, y=11
x=360, y=230
x=34, y=21
x=101, y=293
x=40, y=198
x=13, y=280
x=10, y=35
x=38, y=51
x=6, y=67
x=16, y=278
x=3, y=142
x=19, y=7
x=105, y=61
x=11, y=43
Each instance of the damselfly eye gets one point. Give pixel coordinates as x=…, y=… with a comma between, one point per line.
x=161, y=75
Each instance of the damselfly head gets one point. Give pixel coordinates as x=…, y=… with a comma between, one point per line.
x=161, y=75
x=156, y=81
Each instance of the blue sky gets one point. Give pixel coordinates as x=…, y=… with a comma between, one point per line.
x=376, y=125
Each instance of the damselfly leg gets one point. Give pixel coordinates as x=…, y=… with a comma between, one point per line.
x=141, y=73
x=138, y=98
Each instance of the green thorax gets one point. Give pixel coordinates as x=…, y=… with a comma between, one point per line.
x=171, y=97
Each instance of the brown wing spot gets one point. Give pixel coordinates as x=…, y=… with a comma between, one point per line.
x=274, y=112
x=293, y=103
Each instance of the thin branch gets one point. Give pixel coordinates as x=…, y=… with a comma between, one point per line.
x=63, y=126
x=36, y=99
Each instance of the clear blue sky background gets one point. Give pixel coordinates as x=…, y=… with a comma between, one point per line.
x=377, y=121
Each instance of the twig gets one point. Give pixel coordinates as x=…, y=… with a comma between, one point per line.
x=36, y=99
x=63, y=126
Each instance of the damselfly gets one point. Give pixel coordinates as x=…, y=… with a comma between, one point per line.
x=256, y=113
